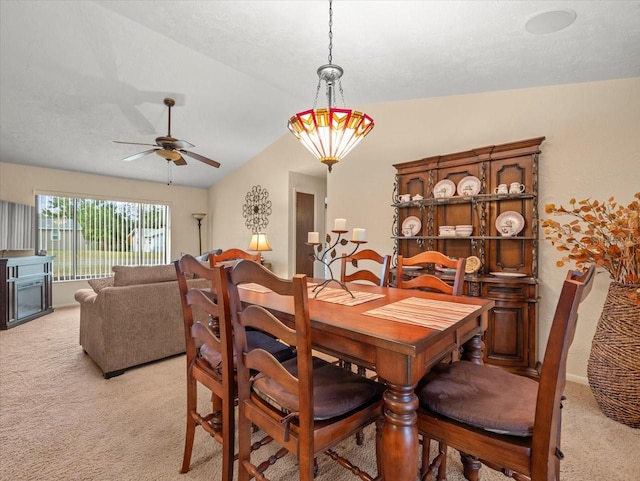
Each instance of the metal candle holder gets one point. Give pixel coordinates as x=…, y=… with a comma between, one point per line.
x=321, y=255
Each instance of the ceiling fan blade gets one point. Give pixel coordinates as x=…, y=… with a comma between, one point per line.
x=134, y=143
x=138, y=155
x=199, y=157
x=180, y=161
x=182, y=144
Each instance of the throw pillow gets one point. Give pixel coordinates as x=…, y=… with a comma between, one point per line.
x=100, y=283
x=134, y=275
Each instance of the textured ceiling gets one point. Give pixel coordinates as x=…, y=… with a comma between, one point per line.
x=75, y=75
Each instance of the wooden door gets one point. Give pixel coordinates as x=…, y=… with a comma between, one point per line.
x=304, y=224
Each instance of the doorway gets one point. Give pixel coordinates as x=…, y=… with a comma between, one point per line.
x=304, y=224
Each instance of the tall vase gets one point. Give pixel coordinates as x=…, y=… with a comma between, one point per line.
x=613, y=369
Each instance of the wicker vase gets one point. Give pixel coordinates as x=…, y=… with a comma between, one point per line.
x=614, y=363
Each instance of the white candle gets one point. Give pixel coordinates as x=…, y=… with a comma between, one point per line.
x=359, y=234
x=340, y=224
x=313, y=238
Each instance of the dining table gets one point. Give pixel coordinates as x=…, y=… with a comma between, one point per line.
x=398, y=333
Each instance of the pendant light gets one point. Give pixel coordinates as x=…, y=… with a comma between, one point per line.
x=330, y=133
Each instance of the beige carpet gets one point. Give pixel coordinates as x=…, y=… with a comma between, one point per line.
x=61, y=420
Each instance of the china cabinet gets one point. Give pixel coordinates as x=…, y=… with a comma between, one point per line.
x=458, y=206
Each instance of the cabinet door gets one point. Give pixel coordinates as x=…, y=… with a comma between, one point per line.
x=507, y=335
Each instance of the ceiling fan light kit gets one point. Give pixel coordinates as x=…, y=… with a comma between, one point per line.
x=330, y=133
x=168, y=147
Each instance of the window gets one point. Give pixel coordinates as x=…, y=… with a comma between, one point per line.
x=89, y=236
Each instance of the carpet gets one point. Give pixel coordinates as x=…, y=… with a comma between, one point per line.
x=61, y=420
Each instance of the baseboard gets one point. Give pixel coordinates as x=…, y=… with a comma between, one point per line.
x=578, y=379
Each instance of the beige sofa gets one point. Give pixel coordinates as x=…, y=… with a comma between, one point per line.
x=133, y=317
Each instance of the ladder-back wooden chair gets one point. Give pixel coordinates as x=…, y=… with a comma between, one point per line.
x=507, y=422
x=306, y=404
x=362, y=274
x=428, y=280
x=209, y=358
x=232, y=254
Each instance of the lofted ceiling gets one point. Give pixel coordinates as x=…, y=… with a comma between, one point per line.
x=76, y=75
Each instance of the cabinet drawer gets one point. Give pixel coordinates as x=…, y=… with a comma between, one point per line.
x=512, y=292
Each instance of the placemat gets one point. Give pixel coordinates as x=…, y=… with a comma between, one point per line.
x=250, y=286
x=340, y=296
x=423, y=312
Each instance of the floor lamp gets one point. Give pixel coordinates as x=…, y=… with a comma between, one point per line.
x=199, y=216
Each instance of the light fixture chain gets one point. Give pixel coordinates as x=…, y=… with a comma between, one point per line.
x=330, y=30
x=315, y=101
x=344, y=104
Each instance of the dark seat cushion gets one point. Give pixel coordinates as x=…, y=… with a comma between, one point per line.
x=483, y=396
x=255, y=339
x=336, y=391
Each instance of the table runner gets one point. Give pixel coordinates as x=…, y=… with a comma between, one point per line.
x=251, y=286
x=423, y=312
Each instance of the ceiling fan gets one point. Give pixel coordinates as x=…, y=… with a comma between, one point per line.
x=169, y=148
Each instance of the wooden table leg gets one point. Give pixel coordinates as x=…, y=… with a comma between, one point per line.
x=473, y=350
x=400, y=434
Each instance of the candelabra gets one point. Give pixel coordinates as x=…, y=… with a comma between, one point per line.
x=322, y=255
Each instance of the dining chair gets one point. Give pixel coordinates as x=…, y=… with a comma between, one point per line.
x=507, y=422
x=306, y=404
x=209, y=358
x=369, y=258
x=232, y=254
x=428, y=280
x=379, y=279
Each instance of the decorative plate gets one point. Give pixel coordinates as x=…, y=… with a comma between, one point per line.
x=412, y=225
x=444, y=188
x=469, y=186
x=473, y=265
x=508, y=274
x=509, y=223
x=447, y=270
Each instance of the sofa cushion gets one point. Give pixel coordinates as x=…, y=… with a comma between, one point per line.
x=134, y=275
x=100, y=283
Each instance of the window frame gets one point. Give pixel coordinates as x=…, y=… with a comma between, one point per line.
x=125, y=216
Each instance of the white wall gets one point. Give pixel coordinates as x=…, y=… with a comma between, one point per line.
x=592, y=148
x=19, y=183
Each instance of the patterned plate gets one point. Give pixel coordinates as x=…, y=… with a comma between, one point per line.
x=444, y=188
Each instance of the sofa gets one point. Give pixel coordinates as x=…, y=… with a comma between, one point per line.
x=133, y=318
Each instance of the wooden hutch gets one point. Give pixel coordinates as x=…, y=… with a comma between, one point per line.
x=508, y=264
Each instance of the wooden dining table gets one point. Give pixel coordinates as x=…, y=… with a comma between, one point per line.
x=389, y=333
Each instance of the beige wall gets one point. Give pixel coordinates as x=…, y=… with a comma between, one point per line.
x=592, y=148
x=271, y=170
x=19, y=183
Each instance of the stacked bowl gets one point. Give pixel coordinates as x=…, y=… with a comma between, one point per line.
x=464, y=230
x=447, y=230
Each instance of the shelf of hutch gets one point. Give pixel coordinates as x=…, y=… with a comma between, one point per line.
x=510, y=340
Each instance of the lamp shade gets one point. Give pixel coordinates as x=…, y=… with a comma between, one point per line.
x=330, y=133
x=259, y=242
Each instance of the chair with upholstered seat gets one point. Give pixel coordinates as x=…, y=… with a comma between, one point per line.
x=429, y=280
x=363, y=274
x=209, y=358
x=507, y=422
x=363, y=262
x=232, y=255
x=306, y=404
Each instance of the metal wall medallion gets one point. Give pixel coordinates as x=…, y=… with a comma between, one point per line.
x=257, y=209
